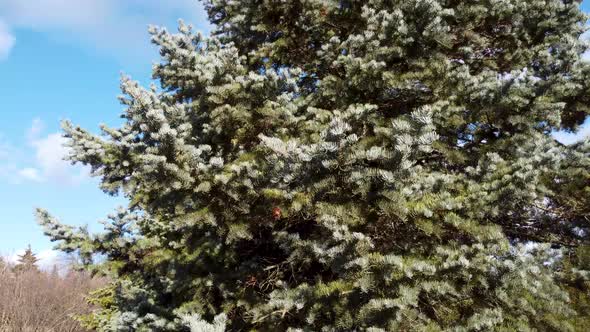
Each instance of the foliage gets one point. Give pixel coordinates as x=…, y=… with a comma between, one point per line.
x=323, y=165
x=103, y=300
x=34, y=300
x=27, y=261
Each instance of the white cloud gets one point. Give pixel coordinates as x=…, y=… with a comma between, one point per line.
x=43, y=160
x=56, y=13
x=31, y=174
x=7, y=41
x=50, y=153
x=113, y=26
x=47, y=259
x=48, y=161
x=569, y=138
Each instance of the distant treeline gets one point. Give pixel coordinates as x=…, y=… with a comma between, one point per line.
x=43, y=301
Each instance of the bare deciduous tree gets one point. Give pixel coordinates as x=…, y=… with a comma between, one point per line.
x=32, y=301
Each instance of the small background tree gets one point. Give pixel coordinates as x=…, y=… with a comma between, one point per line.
x=27, y=261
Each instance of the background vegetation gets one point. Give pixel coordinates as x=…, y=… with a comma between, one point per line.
x=32, y=300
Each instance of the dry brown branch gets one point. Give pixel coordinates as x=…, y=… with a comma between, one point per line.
x=32, y=301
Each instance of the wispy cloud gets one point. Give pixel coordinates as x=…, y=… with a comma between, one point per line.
x=35, y=130
x=31, y=174
x=49, y=164
x=40, y=160
x=7, y=41
x=116, y=27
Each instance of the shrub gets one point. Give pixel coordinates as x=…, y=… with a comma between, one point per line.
x=37, y=301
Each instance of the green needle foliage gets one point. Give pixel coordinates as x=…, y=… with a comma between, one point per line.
x=347, y=165
x=27, y=261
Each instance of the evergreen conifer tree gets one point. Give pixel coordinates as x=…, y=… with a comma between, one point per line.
x=347, y=165
x=27, y=261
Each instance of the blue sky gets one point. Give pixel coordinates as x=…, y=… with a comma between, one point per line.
x=61, y=59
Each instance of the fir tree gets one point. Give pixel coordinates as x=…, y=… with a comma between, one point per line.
x=27, y=261
x=345, y=165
